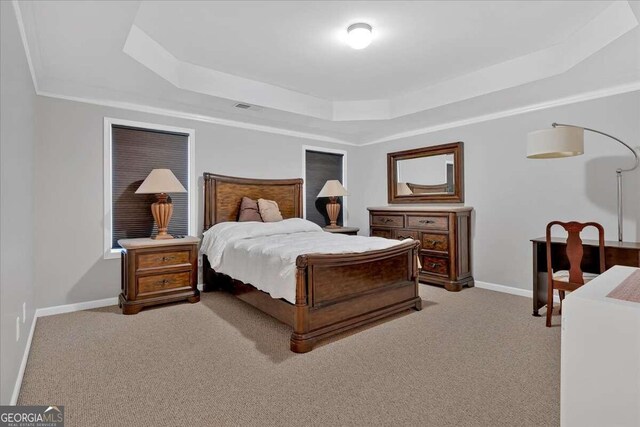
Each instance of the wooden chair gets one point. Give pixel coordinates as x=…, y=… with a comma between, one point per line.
x=574, y=278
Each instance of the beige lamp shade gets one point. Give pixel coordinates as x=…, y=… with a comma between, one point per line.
x=403, y=189
x=161, y=181
x=559, y=141
x=333, y=188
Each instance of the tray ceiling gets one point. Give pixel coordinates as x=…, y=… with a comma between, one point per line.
x=430, y=62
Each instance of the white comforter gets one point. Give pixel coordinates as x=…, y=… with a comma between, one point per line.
x=264, y=254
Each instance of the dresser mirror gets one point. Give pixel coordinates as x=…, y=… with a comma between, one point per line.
x=426, y=175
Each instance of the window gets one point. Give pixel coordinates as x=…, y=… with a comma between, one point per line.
x=321, y=165
x=132, y=150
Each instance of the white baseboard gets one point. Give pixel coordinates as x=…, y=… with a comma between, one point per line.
x=49, y=311
x=69, y=308
x=505, y=289
x=23, y=364
x=510, y=290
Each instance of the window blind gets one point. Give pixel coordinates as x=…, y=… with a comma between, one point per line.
x=321, y=167
x=135, y=153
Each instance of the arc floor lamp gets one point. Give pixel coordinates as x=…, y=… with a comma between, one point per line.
x=564, y=140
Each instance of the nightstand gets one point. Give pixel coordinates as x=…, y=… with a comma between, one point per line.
x=352, y=231
x=157, y=272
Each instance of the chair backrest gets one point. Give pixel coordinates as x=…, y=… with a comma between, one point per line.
x=575, y=250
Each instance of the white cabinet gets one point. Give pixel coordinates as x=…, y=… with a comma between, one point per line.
x=600, y=362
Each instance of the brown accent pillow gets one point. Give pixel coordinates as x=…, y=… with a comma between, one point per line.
x=249, y=210
x=269, y=210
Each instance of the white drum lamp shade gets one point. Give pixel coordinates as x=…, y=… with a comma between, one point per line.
x=333, y=189
x=161, y=182
x=555, y=142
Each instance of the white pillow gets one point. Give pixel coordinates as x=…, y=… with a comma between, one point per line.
x=269, y=210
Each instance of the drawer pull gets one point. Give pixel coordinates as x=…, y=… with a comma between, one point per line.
x=386, y=220
x=405, y=237
x=426, y=221
x=164, y=282
x=166, y=258
x=432, y=242
x=433, y=265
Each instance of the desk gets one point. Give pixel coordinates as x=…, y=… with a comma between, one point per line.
x=615, y=253
x=599, y=369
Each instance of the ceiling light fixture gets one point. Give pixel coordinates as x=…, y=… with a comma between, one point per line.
x=359, y=35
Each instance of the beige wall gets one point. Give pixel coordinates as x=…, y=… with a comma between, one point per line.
x=17, y=140
x=69, y=187
x=515, y=197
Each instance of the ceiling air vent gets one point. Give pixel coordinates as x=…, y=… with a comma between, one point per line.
x=243, y=106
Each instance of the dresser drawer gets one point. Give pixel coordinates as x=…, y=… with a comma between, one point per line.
x=163, y=282
x=387, y=220
x=381, y=232
x=405, y=234
x=163, y=259
x=435, y=265
x=435, y=242
x=428, y=222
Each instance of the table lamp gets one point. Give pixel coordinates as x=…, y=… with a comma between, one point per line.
x=564, y=140
x=160, y=182
x=333, y=189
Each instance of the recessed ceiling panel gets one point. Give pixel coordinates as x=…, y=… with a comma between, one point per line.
x=300, y=46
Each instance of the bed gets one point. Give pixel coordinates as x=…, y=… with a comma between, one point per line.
x=334, y=293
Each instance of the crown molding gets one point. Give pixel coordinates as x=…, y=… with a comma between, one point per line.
x=196, y=117
x=587, y=96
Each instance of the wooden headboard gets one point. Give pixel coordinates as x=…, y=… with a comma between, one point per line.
x=223, y=194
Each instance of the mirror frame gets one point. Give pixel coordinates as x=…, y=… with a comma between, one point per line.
x=455, y=148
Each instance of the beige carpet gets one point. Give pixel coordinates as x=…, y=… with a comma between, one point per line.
x=473, y=358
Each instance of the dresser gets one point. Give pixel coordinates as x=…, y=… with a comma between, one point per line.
x=444, y=235
x=157, y=272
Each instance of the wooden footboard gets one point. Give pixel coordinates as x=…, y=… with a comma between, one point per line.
x=337, y=292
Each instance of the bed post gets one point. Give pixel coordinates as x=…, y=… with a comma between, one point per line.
x=209, y=188
x=301, y=319
x=415, y=274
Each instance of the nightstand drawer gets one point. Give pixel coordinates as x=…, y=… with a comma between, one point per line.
x=163, y=282
x=163, y=259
